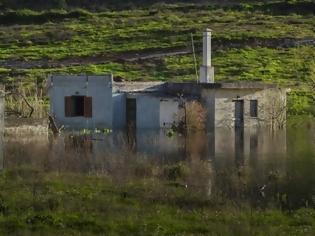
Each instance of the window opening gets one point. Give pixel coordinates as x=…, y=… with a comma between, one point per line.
x=253, y=108
x=76, y=106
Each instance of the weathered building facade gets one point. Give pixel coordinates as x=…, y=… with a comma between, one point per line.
x=97, y=102
x=85, y=101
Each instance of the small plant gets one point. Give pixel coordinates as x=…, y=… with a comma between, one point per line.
x=107, y=130
x=170, y=133
x=85, y=131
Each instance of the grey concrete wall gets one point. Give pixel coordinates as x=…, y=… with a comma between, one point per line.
x=119, y=110
x=97, y=87
x=221, y=107
x=225, y=106
x=148, y=112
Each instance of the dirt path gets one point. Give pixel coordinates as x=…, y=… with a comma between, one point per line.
x=97, y=59
x=153, y=53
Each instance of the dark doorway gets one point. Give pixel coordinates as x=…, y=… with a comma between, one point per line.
x=131, y=113
x=131, y=121
x=239, y=132
x=239, y=113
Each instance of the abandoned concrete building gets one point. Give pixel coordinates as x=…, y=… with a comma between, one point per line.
x=90, y=101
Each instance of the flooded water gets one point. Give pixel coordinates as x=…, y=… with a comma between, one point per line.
x=259, y=165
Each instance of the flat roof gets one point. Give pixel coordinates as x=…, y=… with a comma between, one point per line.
x=239, y=85
x=154, y=86
x=133, y=87
x=229, y=85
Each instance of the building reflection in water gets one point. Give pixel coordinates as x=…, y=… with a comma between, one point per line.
x=235, y=146
x=232, y=162
x=239, y=144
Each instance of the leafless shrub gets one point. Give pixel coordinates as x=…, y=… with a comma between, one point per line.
x=24, y=101
x=276, y=110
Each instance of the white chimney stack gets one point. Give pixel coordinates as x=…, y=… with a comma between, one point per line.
x=206, y=70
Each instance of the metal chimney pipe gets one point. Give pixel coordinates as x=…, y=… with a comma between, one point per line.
x=206, y=70
x=206, y=48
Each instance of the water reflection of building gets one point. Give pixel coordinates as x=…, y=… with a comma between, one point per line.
x=229, y=162
x=248, y=142
x=239, y=145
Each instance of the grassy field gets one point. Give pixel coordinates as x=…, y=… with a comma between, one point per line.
x=53, y=204
x=250, y=43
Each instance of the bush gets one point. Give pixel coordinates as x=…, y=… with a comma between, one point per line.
x=301, y=102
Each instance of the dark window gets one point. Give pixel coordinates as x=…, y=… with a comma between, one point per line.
x=253, y=108
x=78, y=106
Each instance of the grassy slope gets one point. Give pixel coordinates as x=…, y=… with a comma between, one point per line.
x=247, y=45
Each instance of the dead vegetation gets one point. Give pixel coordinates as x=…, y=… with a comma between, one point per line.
x=195, y=116
x=24, y=102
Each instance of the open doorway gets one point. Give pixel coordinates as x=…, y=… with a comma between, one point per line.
x=131, y=113
x=131, y=122
x=239, y=131
x=239, y=113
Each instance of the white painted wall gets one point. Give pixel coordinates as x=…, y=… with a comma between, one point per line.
x=97, y=87
x=169, y=112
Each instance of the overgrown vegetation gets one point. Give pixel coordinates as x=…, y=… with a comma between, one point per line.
x=64, y=186
x=52, y=204
x=271, y=6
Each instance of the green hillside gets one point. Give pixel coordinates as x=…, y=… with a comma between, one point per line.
x=273, y=42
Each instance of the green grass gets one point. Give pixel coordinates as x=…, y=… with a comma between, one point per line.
x=33, y=201
x=292, y=68
x=121, y=31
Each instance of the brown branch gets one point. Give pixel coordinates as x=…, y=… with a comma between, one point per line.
x=52, y=125
x=25, y=100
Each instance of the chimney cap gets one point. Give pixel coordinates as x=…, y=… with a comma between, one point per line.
x=208, y=30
